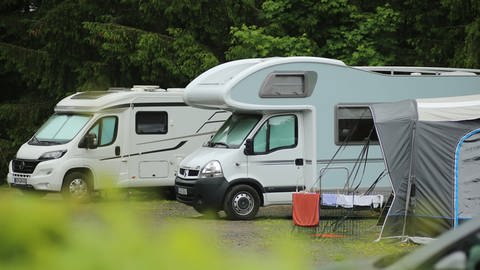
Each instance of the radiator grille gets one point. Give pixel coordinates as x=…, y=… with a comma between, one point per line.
x=24, y=165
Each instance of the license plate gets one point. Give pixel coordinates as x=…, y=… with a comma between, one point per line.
x=182, y=191
x=20, y=180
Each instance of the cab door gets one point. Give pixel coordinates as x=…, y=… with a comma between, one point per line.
x=277, y=159
x=106, y=157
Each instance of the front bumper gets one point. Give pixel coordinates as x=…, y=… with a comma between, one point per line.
x=45, y=177
x=205, y=193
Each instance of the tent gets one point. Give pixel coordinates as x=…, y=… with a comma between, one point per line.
x=431, y=149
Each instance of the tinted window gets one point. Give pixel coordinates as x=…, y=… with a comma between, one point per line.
x=151, y=123
x=288, y=84
x=278, y=132
x=354, y=124
x=105, y=129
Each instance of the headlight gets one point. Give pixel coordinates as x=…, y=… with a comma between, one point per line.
x=53, y=155
x=212, y=169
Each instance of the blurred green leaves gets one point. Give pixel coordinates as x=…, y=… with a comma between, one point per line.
x=38, y=234
x=252, y=42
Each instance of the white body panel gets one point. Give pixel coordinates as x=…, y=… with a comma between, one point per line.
x=132, y=159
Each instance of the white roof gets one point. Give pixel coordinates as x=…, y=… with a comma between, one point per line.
x=449, y=108
x=95, y=101
x=211, y=88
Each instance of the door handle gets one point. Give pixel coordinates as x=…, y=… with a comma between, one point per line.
x=117, y=150
x=299, y=162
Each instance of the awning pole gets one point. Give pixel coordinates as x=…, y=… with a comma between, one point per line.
x=409, y=186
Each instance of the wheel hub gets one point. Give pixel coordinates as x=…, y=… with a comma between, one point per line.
x=243, y=203
x=78, y=188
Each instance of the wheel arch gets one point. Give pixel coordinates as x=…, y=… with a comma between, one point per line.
x=85, y=170
x=247, y=181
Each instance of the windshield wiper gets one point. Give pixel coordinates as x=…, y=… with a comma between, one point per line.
x=51, y=142
x=36, y=141
x=213, y=144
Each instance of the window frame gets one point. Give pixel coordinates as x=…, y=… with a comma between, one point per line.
x=309, y=79
x=151, y=133
x=100, y=130
x=268, y=136
x=336, y=123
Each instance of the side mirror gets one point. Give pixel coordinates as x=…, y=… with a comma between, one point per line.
x=89, y=141
x=248, y=147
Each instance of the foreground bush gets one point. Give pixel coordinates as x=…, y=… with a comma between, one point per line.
x=38, y=234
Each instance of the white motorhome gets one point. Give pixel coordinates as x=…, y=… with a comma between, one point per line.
x=291, y=116
x=116, y=138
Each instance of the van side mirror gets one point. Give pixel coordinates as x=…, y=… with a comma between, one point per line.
x=89, y=141
x=248, y=147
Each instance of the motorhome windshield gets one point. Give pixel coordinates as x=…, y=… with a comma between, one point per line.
x=59, y=129
x=234, y=130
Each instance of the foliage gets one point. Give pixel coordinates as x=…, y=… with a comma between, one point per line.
x=337, y=29
x=40, y=234
x=439, y=36
x=17, y=124
x=144, y=233
x=370, y=42
x=51, y=48
x=252, y=42
x=469, y=54
x=181, y=56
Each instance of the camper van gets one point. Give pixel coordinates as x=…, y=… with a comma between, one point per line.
x=297, y=123
x=117, y=138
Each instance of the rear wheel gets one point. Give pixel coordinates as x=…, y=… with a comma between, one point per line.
x=76, y=186
x=241, y=203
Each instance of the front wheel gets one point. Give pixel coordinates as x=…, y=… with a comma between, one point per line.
x=241, y=203
x=76, y=186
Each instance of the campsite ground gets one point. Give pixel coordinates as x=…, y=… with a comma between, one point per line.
x=272, y=227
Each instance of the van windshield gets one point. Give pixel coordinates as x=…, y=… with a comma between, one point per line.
x=234, y=131
x=59, y=129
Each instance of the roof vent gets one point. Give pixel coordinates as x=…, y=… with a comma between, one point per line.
x=148, y=88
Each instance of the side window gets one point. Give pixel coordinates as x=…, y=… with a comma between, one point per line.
x=260, y=141
x=151, y=122
x=353, y=124
x=278, y=132
x=288, y=85
x=105, y=129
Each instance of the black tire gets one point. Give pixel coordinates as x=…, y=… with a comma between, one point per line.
x=241, y=203
x=77, y=186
